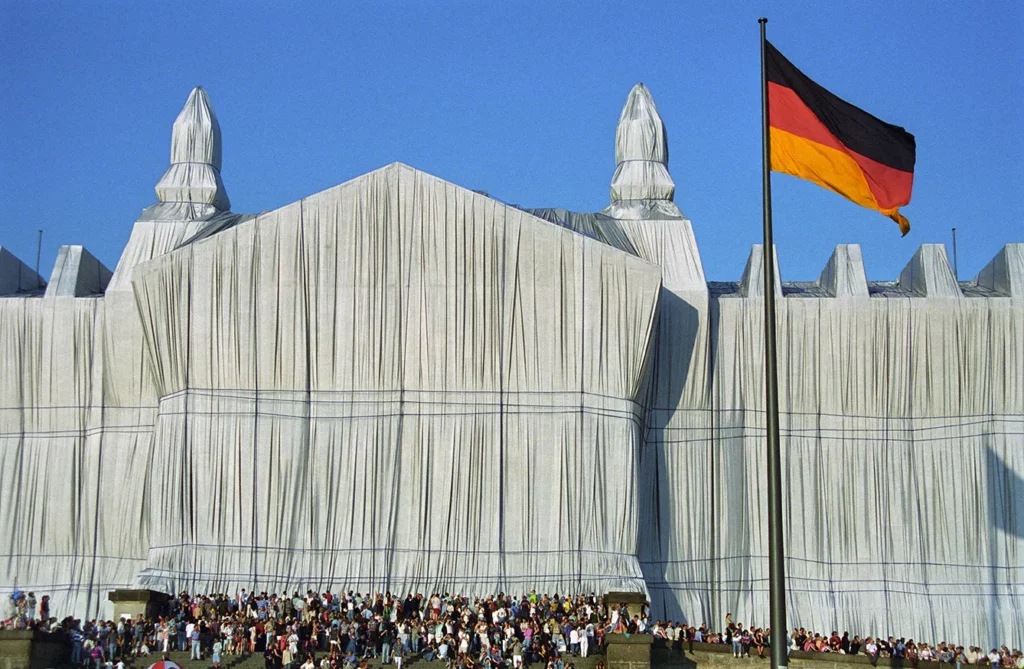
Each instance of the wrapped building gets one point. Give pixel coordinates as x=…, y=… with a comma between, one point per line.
x=399, y=383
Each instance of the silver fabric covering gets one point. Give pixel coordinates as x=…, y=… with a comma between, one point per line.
x=194, y=175
x=928, y=274
x=844, y=274
x=77, y=273
x=641, y=151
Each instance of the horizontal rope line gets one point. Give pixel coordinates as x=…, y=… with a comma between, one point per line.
x=74, y=586
x=636, y=410
x=73, y=434
x=287, y=549
x=705, y=410
x=85, y=407
x=710, y=583
x=400, y=414
x=82, y=556
x=195, y=162
x=782, y=412
x=302, y=395
x=872, y=438
x=927, y=595
x=264, y=576
x=828, y=562
x=817, y=430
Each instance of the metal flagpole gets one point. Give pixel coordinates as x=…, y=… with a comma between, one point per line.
x=39, y=248
x=776, y=558
x=956, y=270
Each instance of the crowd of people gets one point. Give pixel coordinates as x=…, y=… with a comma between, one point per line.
x=347, y=631
x=743, y=638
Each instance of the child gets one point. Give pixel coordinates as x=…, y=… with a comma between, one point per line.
x=218, y=648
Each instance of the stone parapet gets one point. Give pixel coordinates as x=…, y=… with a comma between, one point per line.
x=24, y=649
x=720, y=655
x=629, y=651
x=132, y=603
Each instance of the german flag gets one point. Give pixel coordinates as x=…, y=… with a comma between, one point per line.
x=821, y=138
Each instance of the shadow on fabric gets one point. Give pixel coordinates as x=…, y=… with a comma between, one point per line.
x=1006, y=515
x=677, y=330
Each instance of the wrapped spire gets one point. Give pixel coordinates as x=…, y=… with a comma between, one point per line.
x=641, y=151
x=194, y=175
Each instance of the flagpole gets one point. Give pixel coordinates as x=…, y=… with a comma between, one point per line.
x=776, y=557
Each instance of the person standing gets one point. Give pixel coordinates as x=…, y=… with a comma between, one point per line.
x=385, y=645
x=30, y=608
x=286, y=656
x=399, y=654
x=293, y=645
x=414, y=634
x=97, y=656
x=272, y=657
x=194, y=637
x=76, y=645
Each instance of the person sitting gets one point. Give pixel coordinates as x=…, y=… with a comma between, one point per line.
x=746, y=638
x=444, y=650
x=734, y=633
x=871, y=650
x=759, y=642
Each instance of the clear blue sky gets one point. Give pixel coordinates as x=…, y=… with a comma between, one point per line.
x=519, y=99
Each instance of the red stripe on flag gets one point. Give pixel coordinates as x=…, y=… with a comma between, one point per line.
x=890, y=186
x=787, y=112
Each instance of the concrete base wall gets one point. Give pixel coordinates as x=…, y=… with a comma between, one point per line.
x=720, y=655
x=33, y=650
x=629, y=652
x=133, y=603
